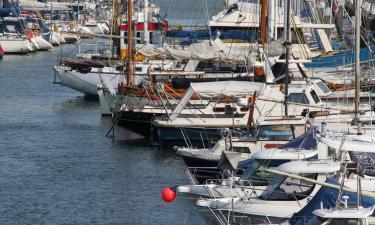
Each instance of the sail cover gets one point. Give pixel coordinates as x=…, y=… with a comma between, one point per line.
x=209, y=50
x=227, y=88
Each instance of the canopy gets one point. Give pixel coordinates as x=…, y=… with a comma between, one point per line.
x=227, y=88
x=319, y=166
x=284, y=154
x=215, y=89
x=350, y=143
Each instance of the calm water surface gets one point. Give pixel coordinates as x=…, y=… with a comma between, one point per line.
x=57, y=166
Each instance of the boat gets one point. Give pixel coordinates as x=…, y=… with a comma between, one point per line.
x=264, y=135
x=39, y=33
x=15, y=44
x=13, y=38
x=175, y=130
x=251, y=176
x=279, y=201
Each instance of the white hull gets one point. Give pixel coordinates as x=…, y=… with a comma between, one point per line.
x=54, y=40
x=106, y=101
x=16, y=45
x=85, y=30
x=105, y=28
x=219, y=190
x=43, y=44
x=86, y=82
x=34, y=44
x=59, y=38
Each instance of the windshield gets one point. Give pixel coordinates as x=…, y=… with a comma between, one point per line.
x=276, y=133
x=257, y=175
x=323, y=87
x=284, y=188
x=298, y=98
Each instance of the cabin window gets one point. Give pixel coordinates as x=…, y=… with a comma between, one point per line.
x=276, y=133
x=298, y=98
x=315, y=96
x=244, y=109
x=323, y=87
x=241, y=149
x=228, y=109
x=138, y=69
x=155, y=38
x=139, y=37
x=219, y=109
x=125, y=39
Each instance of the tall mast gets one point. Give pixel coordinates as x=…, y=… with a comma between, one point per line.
x=357, y=58
x=145, y=22
x=129, y=67
x=287, y=45
x=263, y=21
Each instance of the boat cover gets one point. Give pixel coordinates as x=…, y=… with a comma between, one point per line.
x=216, y=89
x=302, y=166
x=209, y=50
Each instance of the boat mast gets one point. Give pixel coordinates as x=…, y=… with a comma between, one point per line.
x=287, y=45
x=145, y=22
x=129, y=68
x=357, y=60
x=263, y=22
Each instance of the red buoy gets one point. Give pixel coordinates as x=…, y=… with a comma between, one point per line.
x=168, y=194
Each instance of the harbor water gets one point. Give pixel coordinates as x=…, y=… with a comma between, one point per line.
x=57, y=166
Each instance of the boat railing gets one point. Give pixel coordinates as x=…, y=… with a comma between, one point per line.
x=195, y=174
x=191, y=177
x=219, y=216
x=232, y=218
